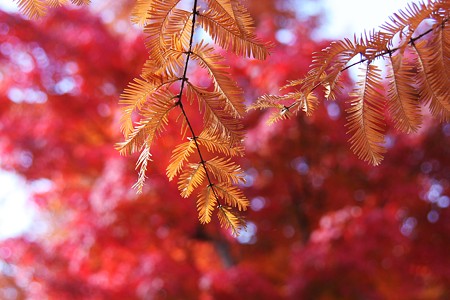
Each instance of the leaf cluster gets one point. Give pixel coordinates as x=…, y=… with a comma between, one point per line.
x=34, y=9
x=415, y=44
x=163, y=88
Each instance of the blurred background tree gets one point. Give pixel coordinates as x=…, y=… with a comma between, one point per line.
x=322, y=224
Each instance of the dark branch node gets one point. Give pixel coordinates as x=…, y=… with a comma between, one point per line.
x=284, y=110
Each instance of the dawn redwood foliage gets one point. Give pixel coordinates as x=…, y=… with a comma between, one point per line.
x=415, y=43
x=173, y=46
x=167, y=77
x=321, y=224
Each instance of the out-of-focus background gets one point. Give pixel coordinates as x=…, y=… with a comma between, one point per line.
x=322, y=224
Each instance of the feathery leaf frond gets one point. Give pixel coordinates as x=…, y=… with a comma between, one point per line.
x=243, y=19
x=443, y=42
x=166, y=70
x=403, y=98
x=81, y=2
x=232, y=195
x=225, y=170
x=141, y=12
x=216, y=144
x=180, y=155
x=307, y=104
x=181, y=39
x=33, y=9
x=206, y=203
x=191, y=178
x=326, y=62
x=229, y=220
x=433, y=86
x=224, y=31
x=134, y=97
x=216, y=118
x=365, y=119
x=222, y=7
x=155, y=119
x=231, y=93
x=268, y=101
x=159, y=31
x=142, y=164
x=57, y=3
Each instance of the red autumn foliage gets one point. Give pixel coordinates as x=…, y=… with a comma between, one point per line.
x=322, y=224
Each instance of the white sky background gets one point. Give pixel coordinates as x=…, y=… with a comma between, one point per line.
x=344, y=18
x=16, y=214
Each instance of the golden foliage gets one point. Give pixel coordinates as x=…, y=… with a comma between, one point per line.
x=415, y=44
x=433, y=85
x=57, y=3
x=403, y=98
x=161, y=28
x=418, y=74
x=226, y=32
x=216, y=118
x=35, y=9
x=365, y=117
x=217, y=144
x=81, y=2
x=141, y=165
x=180, y=155
x=163, y=86
x=232, y=196
x=141, y=13
x=223, y=84
x=229, y=219
x=191, y=178
x=153, y=122
x=206, y=202
x=225, y=170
